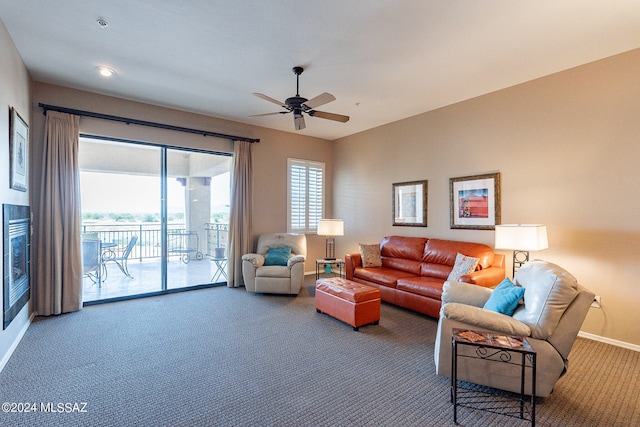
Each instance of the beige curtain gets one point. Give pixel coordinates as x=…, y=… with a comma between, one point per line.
x=240, y=230
x=58, y=266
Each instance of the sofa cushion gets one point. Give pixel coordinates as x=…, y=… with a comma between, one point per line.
x=549, y=290
x=463, y=265
x=381, y=276
x=505, y=297
x=370, y=255
x=445, y=251
x=273, y=271
x=407, y=265
x=403, y=247
x=425, y=286
x=439, y=271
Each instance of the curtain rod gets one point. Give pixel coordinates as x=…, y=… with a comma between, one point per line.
x=129, y=121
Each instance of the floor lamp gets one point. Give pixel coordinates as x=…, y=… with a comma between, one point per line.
x=521, y=238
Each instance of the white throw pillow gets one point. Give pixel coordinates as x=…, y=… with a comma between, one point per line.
x=464, y=265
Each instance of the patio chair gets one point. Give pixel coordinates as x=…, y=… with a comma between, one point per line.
x=122, y=259
x=91, y=263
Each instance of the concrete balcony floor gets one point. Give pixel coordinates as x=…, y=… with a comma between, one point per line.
x=147, y=277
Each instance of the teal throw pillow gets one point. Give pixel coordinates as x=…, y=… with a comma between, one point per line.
x=277, y=256
x=505, y=297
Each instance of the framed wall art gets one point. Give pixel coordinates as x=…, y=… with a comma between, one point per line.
x=410, y=203
x=475, y=201
x=18, y=151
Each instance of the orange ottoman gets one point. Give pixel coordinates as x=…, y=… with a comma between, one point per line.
x=353, y=303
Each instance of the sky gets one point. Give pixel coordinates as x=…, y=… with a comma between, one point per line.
x=119, y=193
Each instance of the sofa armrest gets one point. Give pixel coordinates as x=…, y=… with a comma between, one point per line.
x=297, y=276
x=487, y=277
x=464, y=293
x=249, y=275
x=256, y=259
x=294, y=260
x=351, y=261
x=480, y=318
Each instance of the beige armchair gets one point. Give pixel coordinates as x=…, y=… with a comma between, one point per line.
x=554, y=308
x=277, y=279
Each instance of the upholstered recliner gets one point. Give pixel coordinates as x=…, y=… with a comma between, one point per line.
x=554, y=308
x=277, y=279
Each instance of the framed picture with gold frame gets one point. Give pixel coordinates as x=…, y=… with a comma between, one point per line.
x=410, y=203
x=18, y=151
x=475, y=201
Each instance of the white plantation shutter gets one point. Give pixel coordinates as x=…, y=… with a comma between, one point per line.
x=316, y=195
x=297, y=197
x=305, y=195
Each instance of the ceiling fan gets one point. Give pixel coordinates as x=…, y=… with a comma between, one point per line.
x=298, y=105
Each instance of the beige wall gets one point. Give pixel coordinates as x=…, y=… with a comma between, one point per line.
x=15, y=91
x=270, y=178
x=269, y=156
x=567, y=149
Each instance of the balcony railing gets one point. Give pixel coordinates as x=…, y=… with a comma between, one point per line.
x=149, y=244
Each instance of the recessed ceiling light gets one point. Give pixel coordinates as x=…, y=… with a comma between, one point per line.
x=105, y=71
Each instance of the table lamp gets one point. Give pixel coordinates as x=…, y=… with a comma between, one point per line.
x=521, y=238
x=330, y=228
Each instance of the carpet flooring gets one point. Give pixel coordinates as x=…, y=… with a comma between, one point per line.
x=225, y=357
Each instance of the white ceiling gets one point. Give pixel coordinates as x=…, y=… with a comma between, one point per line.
x=384, y=60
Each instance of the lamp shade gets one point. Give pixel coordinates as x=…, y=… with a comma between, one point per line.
x=331, y=227
x=523, y=237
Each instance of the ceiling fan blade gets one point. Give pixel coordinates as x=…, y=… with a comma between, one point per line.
x=270, y=114
x=268, y=98
x=323, y=98
x=298, y=121
x=329, y=116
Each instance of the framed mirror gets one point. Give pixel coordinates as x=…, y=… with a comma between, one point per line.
x=410, y=203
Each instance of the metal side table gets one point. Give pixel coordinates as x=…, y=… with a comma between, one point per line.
x=221, y=269
x=321, y=263
x=494, y=348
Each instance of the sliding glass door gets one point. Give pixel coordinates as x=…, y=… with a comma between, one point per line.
x=198, y=199
x=160, y=215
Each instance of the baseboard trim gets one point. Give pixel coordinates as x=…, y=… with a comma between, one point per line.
x=606, y=340
x=9, y=353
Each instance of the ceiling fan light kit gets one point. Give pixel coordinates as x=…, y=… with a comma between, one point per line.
x=298, y=105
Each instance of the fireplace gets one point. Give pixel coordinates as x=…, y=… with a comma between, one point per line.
x=16, y=260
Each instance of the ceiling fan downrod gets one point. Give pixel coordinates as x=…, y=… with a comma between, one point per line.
x=297, y=71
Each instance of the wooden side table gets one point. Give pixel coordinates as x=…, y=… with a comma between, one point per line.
x=321, y=263
x=494, y=348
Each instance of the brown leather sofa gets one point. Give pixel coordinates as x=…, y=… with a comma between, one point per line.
x=415, y=268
